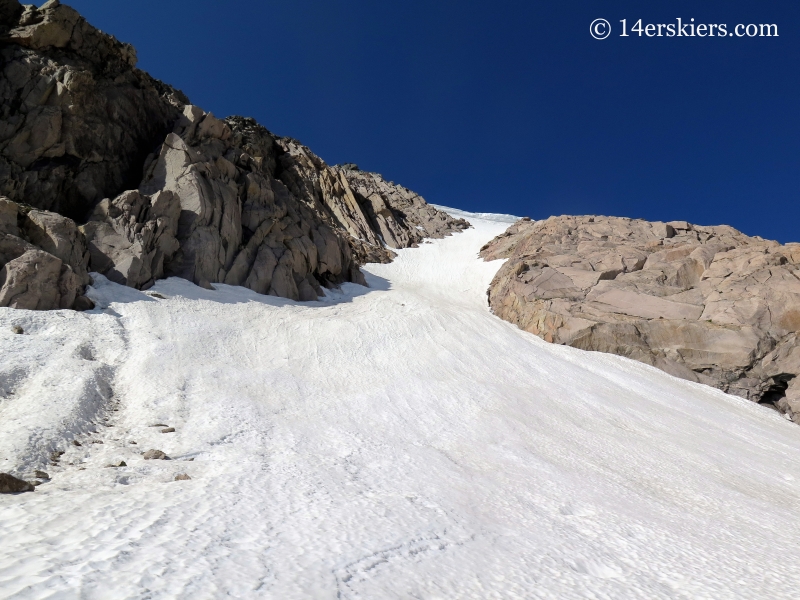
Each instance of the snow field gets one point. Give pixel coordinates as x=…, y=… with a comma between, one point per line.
x=392, y=442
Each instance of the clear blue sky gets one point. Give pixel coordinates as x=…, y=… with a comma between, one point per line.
x=506, y=106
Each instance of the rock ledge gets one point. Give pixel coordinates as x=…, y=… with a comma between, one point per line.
x=708, y=304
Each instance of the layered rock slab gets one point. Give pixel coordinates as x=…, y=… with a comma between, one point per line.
x=400, y=217
x=376, y=214
x=708, y=304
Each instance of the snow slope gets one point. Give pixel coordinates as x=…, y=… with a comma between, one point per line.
x=391, y=442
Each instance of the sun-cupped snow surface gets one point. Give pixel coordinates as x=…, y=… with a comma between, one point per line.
x=392, y=442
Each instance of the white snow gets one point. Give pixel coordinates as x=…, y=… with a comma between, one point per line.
x=392, y=442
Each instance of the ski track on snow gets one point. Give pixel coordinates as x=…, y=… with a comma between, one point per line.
x=391, y=442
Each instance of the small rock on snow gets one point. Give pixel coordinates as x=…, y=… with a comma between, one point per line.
x=155, y=455
x=11, y=485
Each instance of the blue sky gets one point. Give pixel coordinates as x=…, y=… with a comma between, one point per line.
x=508, y=106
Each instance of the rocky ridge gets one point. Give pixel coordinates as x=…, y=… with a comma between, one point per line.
x=708, y=304
x=160, y=187
x=400, y=218
x=77, y=119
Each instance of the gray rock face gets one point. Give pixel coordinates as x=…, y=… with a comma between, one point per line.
x=400, y=217
x=375, y=214
x=43, y=259
x=210, y=209
x=77, y=120
x=166, y=188
x=309, y=179
x=130, y=236
x=243, y=207
x=708, y=304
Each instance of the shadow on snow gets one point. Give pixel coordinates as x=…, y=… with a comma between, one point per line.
x=104, y=293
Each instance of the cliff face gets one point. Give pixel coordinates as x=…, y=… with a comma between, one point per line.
x=708, y=304
x=376, y=214
x=399, y=217
x=77, y=118
x=210, y=209
x=162, y=188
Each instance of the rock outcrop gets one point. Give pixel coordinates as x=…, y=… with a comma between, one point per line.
x=11, y=485
x=43, y=259
x=77, y=119
x=376, y=215
x=153, y=454
x=162, y=188
x=401, y=218
x=210, y=209
x=708, y=304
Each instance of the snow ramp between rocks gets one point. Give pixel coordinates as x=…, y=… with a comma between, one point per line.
x=395, y=441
